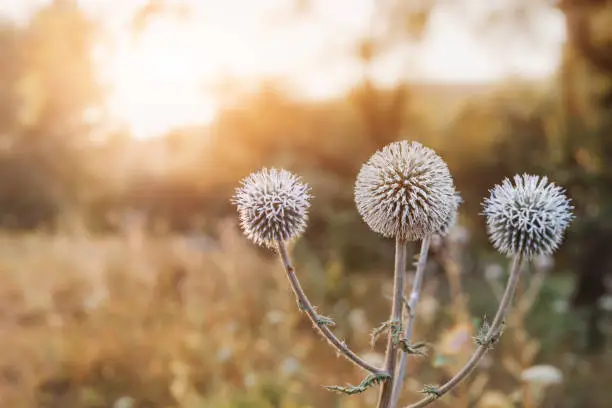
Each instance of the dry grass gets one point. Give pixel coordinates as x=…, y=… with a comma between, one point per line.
x=143, y=321
x=88, y=320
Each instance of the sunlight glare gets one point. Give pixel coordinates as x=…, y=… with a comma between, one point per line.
x=159, y=77
x=157, y=80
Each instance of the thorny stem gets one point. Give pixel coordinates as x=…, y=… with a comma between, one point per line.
x=386, y=390
x=492, y=335
x=413, y=300
x=339, y=345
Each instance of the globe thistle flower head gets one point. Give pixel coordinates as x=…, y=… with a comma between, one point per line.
x=272, y=206
x=451, y=220
x=405, y=190
x=528, y=218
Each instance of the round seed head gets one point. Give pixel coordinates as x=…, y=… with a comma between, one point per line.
x=405, y=190
x=272, y=206
x=528, y=218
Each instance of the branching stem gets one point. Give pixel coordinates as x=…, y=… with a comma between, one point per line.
x=492, y=336
x=323, y=329
x=386, y=390
x=413, y=300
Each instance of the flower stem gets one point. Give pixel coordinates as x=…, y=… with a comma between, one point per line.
x=386, y=390
x=492, y=335
x=413, y=300
x=323, y=329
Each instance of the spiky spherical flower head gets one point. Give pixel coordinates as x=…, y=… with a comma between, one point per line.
x=527, y=218
x=451, y=220
x=405, y=190
x=273, y=206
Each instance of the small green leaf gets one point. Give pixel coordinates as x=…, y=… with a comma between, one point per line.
x=431, y=391
x=396, y=331
x=395, y=326
x=324, y=321
x=418, y=349
x=483, y=339
x=370, y=381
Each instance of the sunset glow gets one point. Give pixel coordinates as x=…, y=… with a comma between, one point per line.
x=161, y=77
x=157, y=80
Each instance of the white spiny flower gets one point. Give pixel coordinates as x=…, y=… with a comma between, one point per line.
x=527, y=218
x=273, y=206
x=405, y=190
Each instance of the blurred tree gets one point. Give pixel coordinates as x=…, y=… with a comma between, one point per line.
x=52, y=84
x=9, y=73
x=587, y=103
x=578, y=138
x=388, y=115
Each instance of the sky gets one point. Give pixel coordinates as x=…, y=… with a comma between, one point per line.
x=159, y=77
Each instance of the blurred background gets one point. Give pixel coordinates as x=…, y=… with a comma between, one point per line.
x=126, y=125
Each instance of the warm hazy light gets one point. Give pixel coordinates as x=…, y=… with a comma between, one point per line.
x=157, y=80
x=159, y=76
